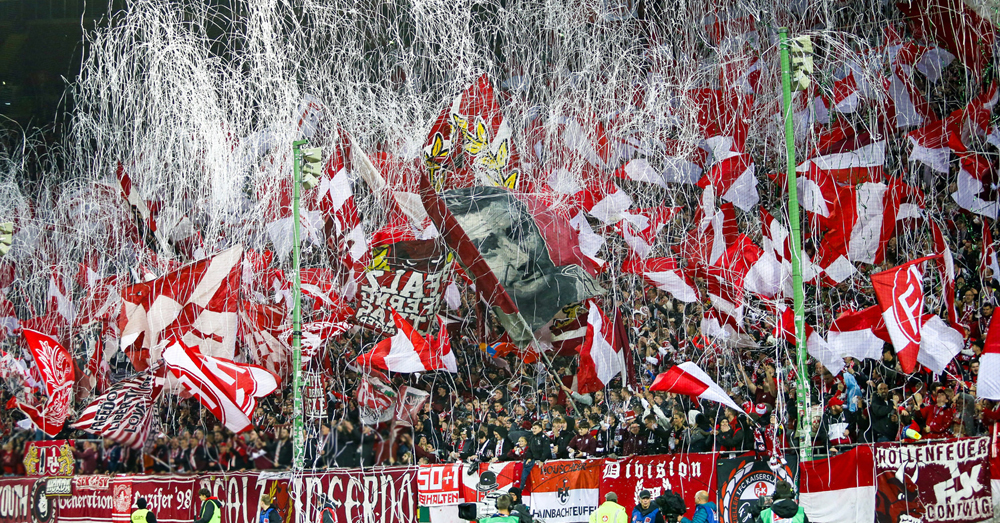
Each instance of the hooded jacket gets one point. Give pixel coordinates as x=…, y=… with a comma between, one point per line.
x=785, y=509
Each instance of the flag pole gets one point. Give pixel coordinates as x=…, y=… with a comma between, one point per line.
x=802, y=383
x=298, y=427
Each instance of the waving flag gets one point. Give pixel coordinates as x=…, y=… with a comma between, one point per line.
x=124, y=412
x=735, y=181
x=815, y=344
x=664, y=274
x=197, y=304
x=988, y=382
x=600, y=360
x=858, y=334
x=863, y=164
x=228, y=389
x=900, y=294
x=56, y=368
x=471, y=143
x=688, y=379
x=406, y=352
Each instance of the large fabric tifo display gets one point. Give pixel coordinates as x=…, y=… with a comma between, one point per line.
x=408, y=277
x=684, y=474
x=742, y=481
x=946, y=481
x=523, y=260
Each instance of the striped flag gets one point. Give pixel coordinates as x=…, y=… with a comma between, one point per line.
x=123, y=413
x=226, y=388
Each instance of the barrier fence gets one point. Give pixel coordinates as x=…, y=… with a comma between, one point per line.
x=941, y=481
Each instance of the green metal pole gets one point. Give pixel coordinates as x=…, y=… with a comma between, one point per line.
x=802, y=383
x=298, y=428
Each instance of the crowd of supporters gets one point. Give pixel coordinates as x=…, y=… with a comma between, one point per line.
x=522, y=406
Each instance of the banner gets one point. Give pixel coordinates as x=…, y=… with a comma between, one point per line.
x=241, y=494
x=49, y=458
x=684, y=474
x=172, y=498
x=941, y=481
x=564, y=491
x=408, y=277
x=742, y=481
x=22, y=500
x=440, y=485
x=386, y=495
x=441, y=488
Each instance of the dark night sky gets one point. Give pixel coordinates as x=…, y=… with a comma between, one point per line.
x=40, y=48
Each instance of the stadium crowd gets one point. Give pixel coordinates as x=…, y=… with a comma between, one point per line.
x=523, y=407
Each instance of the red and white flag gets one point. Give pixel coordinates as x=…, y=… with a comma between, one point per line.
x=145, y=215
x=664, y=274
x=989, y=250
x=336, y=199
x=856, y=334
x=125, y=411
x=688, y=379
x=973, y=177
x=735, y=181
x=600, y=360
x=261, y=328
x=840, y=489
x=441, y=345
x=197, y=304
x=405, y=352
x=815, y=344
x=641, y=227
x=55, y=365
x=900, y=295
x=606, y=202
x=59, y=297
x=566, y=491
x=228, y=389
x=865, y=219
x=865, y=163
x=988, y=383
x=946, y=270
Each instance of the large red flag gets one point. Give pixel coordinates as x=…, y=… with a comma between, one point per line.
x=900, y=293
x=197, y=303
x=56, y=367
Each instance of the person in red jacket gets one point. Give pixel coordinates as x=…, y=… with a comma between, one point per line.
x=938, y=417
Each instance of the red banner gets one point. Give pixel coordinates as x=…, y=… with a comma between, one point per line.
x=386, y=495
x=49, y=458
x=22, y=500
x=171, y=498
x=940, y=481
x=684, y=474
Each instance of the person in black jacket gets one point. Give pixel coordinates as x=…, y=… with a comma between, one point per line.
x=784, y=506
x=738, y=438
x=346, y=451
x=539, y=445
x=881, y=411
x=283, y=450
x=209, y=504
x=656, y=437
